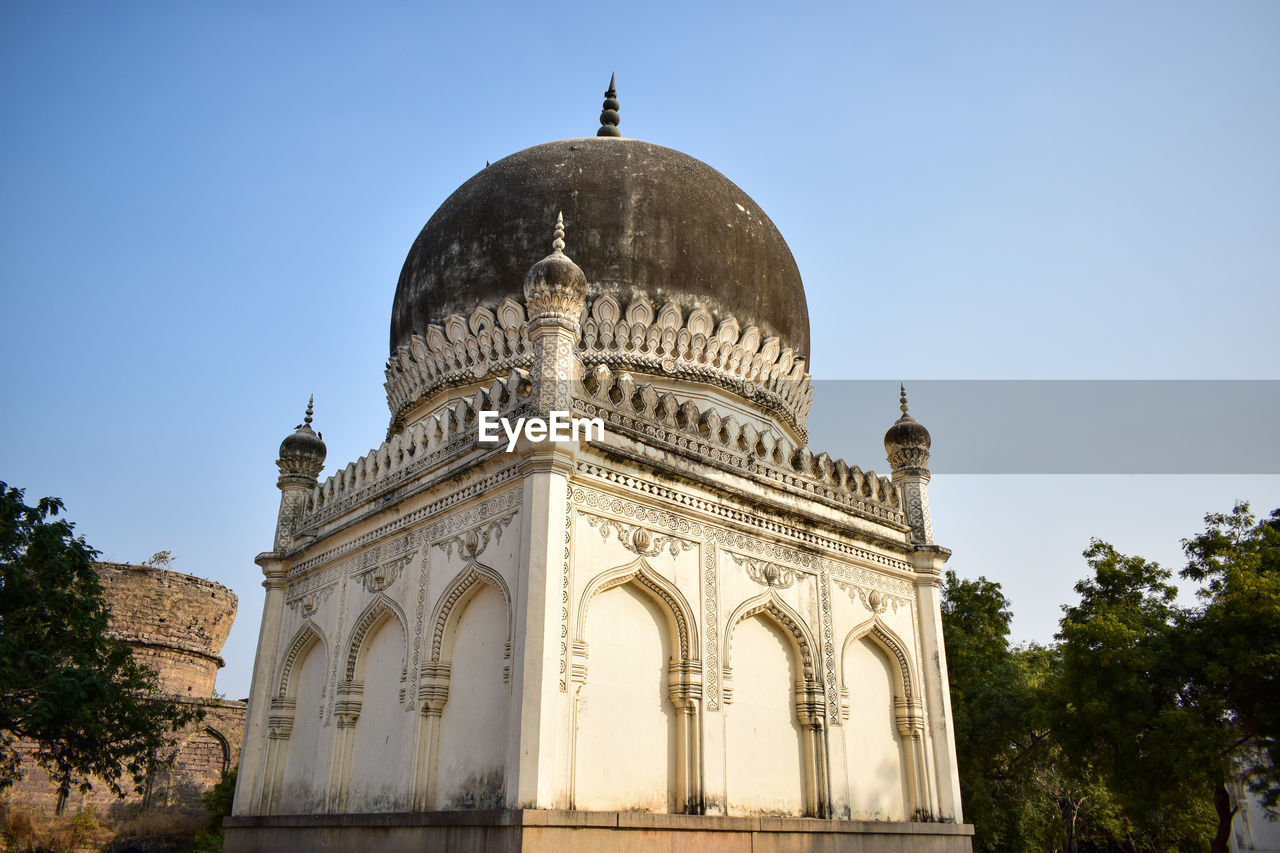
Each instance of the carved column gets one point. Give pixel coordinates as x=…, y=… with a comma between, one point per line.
x=301, y=459
x=251, y=785
x=939, y=738
x=538, y=707
x=684, y=685
x=279, y=728
x=433, y=695
x=346, y=713
x=909, y=716
x=811, y=711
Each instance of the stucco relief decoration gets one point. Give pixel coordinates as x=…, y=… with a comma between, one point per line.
x=873, y=600
x=766, y=573
x=898, y=587
x=828, y=646
x=638, y=540
x=618, y=506
x=472, y=543
x=495, y=506
x=307, y=603
x=564, y=590
x=382, y=566
x=712, y=622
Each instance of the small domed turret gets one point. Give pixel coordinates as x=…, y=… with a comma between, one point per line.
x=555, y=285
x=907, y=441
x=304, y=451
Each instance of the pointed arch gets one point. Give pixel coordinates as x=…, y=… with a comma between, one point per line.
x=378, y=610
x=888, y=642
x=223, y=744
x=455, y=596
x=655, y=586
x=301, y=643
x=771, y=604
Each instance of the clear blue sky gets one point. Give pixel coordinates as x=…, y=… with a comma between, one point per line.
x=205, y=209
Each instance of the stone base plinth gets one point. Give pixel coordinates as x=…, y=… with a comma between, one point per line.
x=545, y=831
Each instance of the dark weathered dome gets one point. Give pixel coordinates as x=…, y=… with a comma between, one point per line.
x=640, y=219
x=304, y=445
x=304, y=448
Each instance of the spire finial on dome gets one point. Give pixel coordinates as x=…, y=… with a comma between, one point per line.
x=557, y=245
x=609, y=118
x=902, y=398
x=311, y=403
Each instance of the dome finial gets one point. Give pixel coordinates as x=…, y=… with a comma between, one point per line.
x=902, y=399
x=310, y=410
x=609, y=118
x=557, y=245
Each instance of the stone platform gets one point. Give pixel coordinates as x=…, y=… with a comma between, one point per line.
x=546, y=831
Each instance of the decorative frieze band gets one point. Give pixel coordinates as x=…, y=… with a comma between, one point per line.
x=729, y=512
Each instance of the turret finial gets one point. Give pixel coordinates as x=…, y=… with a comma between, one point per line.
x=609, y=118
x=557, y=245
x=311, y=403
x=902, y=399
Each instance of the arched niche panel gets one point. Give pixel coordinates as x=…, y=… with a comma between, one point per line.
x=376, y=761
x=782, y=700
x=884, y=725
x=470, y=668
x=297, y=746
x=626, y=737
x=764, y=743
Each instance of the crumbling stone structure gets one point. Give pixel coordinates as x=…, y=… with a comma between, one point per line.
x=176, y=624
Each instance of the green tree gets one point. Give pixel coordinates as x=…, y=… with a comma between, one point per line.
x=1126, y=710
x=67, y=685
x=217, y=800
x=1000, y=747
x=1233, y=644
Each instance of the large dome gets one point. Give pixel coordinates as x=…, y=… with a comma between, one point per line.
x=641, y=219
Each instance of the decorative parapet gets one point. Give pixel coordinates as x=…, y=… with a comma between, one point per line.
x=661, y=418
x=663, y=342
x=432, y=441
x=638, y=410
x=458, y=352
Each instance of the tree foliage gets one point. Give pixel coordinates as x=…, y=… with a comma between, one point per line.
x=1126, y=732
x=66, y=685
x=1236, y=637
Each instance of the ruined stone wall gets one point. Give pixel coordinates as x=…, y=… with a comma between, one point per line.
x=176, y=624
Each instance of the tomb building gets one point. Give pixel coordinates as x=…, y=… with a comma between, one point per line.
x=688, y=628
